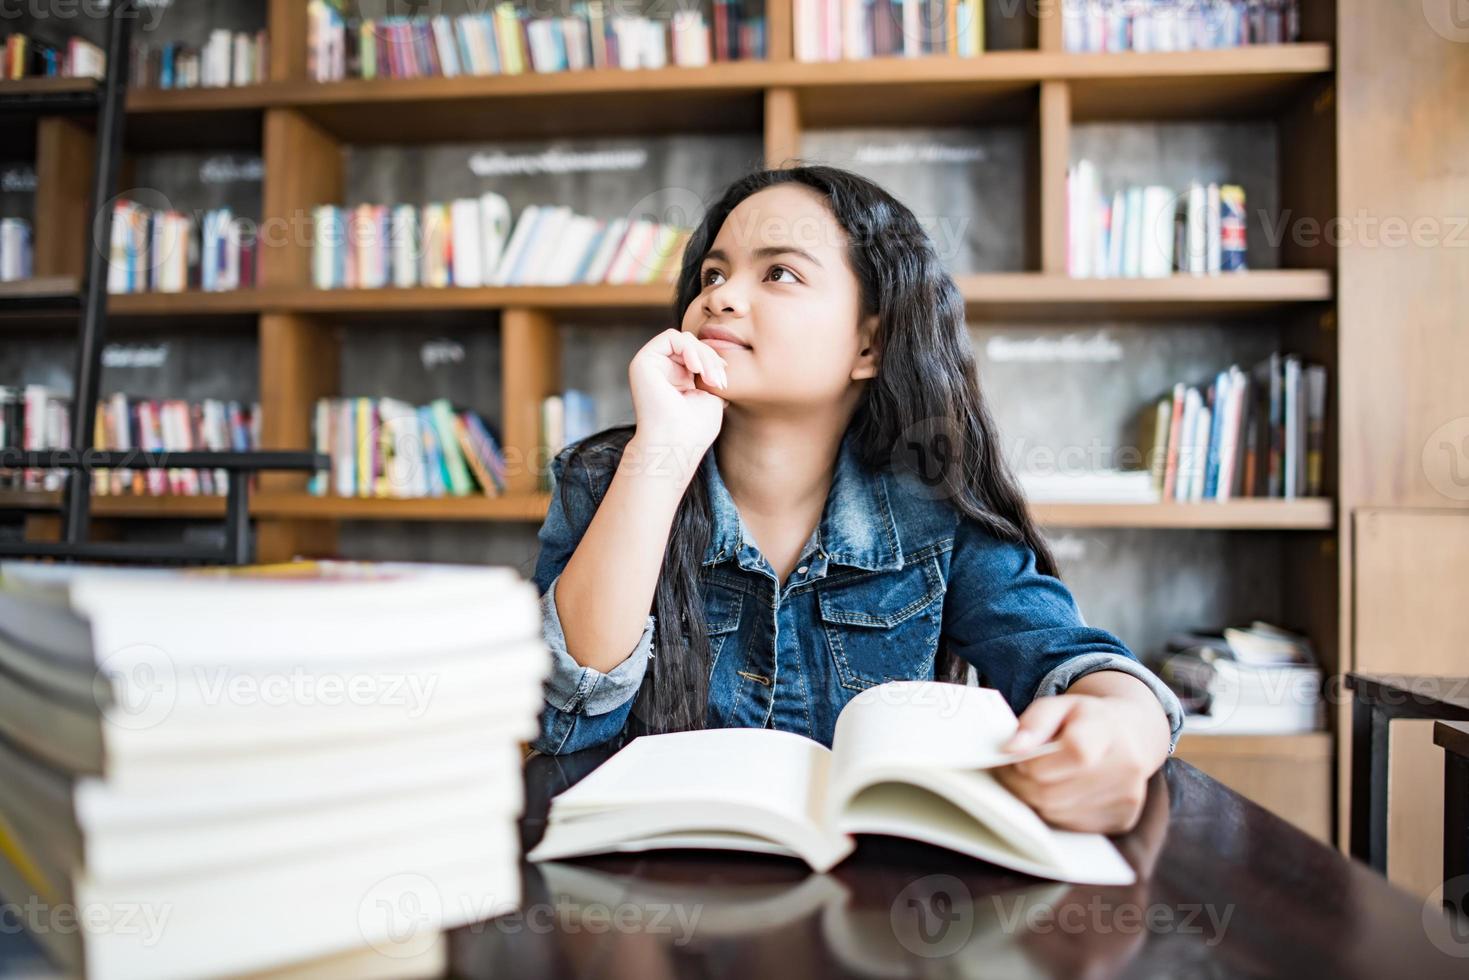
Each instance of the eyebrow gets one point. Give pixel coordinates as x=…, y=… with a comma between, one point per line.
x=768, y=251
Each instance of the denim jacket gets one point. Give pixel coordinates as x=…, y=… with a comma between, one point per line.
x=887, y=574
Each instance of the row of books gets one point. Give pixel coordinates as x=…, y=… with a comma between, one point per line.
x=1255, y=434
x=329, y=751
x=384, y=447
x=1177, y=25
x=852, y=30
x=159, y=251
x=508, y=41
x=1153, y=231
x=565, y=418
x=171, y=425
x=17, y=253
x=38, y=417
x=228, y=58
x=1257, y=679
x=469, y=242
x=28, y=57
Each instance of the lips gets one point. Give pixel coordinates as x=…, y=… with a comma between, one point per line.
x=721, y=339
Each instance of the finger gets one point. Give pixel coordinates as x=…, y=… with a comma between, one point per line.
x=1083, y=739
x=711, y=359
x=1040, y=722
x=691, y=352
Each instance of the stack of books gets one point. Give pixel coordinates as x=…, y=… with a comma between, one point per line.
x=507, y=40
x=27, y=57
x=326, y=756
x=565, y=418
x=383, y=447
x=169, y=251
x=17, y=254
x=1153, y=231
x=171, y=425
x=1258, y=679
x=1260, y=434
x=227, y=58
x=469, y=242
x=1177, y=25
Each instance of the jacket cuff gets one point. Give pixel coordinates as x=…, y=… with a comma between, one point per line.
x=1069, y=672
x=583, y=690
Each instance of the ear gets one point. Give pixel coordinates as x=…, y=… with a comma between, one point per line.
x=865, y=365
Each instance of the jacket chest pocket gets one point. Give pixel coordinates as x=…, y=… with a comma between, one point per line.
x=885, y=626
x=723, y=607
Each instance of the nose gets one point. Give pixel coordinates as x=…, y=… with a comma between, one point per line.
x=727, y=297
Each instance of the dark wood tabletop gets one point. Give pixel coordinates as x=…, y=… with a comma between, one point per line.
x=1225, y=889
x=1409, y=694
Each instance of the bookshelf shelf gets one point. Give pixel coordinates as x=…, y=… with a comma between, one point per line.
x=48, y=95
x=1261, y=515
x=987, y=296
x=730, y=96
x=1042, y=296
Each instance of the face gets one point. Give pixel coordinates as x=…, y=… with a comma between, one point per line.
x=777, y=278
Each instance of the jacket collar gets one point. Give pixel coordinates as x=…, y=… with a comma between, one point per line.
x=856, y=529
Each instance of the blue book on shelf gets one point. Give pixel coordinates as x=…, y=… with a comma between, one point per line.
x=1216, y=430
x=592, y=246
x=433, y=456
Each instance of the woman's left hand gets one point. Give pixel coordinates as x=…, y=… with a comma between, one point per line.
x=1097, y=781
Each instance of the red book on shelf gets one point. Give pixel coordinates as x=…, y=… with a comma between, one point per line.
x=721, y=30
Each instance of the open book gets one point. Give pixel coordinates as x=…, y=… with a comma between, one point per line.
x=908, y=759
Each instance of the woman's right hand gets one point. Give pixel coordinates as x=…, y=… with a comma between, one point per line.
x=674, y=380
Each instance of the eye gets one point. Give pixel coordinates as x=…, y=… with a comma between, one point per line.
x=780, y=268
x=706, y=279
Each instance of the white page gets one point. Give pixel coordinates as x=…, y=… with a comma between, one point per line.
x=777, y=771
x=924, y=723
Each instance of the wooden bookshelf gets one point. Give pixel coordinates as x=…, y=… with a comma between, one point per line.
x=302, y=130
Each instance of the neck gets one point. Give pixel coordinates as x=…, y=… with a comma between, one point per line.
x=774, y=465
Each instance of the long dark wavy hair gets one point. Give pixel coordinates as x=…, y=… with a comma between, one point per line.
x=926, y=384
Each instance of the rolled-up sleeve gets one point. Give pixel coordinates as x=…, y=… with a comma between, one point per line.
x=1021, y=628
x=584, y=706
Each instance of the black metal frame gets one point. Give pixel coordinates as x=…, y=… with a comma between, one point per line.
x=1376, y=702
x=110, y=104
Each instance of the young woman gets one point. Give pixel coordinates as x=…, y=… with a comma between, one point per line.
x=812, y=502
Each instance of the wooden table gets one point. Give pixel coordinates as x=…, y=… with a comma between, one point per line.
x=1225, y=889
x=1378, y=699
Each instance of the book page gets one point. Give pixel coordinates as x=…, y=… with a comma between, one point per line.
x=924, y=723
x=777, y=771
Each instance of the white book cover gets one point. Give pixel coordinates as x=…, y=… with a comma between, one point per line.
x=625, y=264
x=446, y=46
x=1201, y=451
x=405, y=243
x=494, y=226
x=546, y=239
x=516, y=246
x=1197, y=260
x=468, y=263
x=1156, y=256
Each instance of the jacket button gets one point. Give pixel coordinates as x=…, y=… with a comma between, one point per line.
x=803, y=569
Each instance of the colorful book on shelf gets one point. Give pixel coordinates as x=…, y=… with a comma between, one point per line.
x=1152, y=231
x=1167, y=25
x=1259, y=433
x=855, y=30
x=387, y=448
x=506, y=39
x=470, y=242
